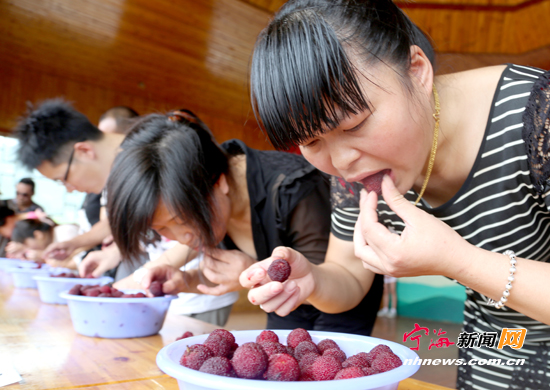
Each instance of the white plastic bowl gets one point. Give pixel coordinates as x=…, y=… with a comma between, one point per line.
x=117, y=318
x=49, y=287
x=23, y=276
x=6, y=263
x=168, y=361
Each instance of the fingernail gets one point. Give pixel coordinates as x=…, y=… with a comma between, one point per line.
x=276, y=288
x=290, y=286
x=363, y=194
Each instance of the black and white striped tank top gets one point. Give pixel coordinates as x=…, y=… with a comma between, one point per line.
x=497, y=207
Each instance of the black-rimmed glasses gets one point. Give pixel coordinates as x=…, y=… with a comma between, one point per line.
x=64, y=180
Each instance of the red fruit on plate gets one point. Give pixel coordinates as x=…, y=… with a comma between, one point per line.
x=225, y=334
x=267, y=335
x=326, y=344
x=386, y=362
x=218, y=365
x=297, y=336
x=325, y=368
x=218, y=345
x=194, y=356
x=271, y=348
x=336, y=353
x=304, y=348
x=350, y=372
x=75, y=290
x=249, y=362
x=282, y=367
x=358, y=360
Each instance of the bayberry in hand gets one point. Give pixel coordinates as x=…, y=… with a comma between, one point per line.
x=279, y=270
x=156, y=289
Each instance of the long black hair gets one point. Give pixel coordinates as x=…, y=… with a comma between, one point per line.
x=173, y=158
x=302, y=78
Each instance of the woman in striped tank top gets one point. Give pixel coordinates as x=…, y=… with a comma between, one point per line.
x=454, y=168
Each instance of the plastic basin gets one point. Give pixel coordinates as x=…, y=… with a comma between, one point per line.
x=188, y=379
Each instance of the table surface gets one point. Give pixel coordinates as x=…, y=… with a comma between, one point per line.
x=39, y=340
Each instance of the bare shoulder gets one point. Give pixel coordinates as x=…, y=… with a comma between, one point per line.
x=475, y=80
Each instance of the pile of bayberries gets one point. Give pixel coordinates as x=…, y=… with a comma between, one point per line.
x=299, y=360
x=111, y=292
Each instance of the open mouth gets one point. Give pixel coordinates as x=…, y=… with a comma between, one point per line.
x=374, y=182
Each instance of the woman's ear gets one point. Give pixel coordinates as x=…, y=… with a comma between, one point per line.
x=421, y=69
x=222, y=184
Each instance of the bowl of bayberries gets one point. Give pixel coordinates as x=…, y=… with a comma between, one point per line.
x=104, y=311
x=23, y=274
x=304, y=360
x=51, y=285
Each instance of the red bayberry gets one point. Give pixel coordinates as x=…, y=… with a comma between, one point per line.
x=297, y=336
x=336, y=353
x=282, y=367
x=304, y=348
x=185, y=335
x=386, y=362
x=156, y=289
x=249, y=362
x=218, y=345
x=350, y=372
x=326, y=344
x=218, y=365
x=279, y=270
x=325, y=368
x=272, y=348
x=267, y=335
x=195, y=355
x=359, y=360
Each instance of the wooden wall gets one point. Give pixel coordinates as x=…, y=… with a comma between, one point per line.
x=156, y=55
x=150, y=55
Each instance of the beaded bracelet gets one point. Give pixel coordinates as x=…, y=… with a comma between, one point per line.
x=506, y=293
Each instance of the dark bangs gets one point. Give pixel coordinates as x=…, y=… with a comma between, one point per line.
x=162, y=159
x=133, y=194
x=302, y=81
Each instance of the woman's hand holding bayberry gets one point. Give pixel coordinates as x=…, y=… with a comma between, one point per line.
x=278, y=297
x=427, y=246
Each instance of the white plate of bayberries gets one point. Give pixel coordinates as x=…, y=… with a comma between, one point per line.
x=257, y=359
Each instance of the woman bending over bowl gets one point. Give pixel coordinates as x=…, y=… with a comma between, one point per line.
x=456, y=165
x=233, y=203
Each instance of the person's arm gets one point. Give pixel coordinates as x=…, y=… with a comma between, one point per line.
x=62, y=250
x=175, y=258
x=427, y=246
x=339, y=284
x=97, y=262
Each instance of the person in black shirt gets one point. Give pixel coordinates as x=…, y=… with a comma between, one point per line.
x=233, y=203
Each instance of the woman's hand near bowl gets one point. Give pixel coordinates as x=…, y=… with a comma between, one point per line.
x=98, y=262
x=223, y=268
x=172, y=279
x=277, y=297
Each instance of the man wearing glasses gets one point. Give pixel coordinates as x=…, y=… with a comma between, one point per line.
x=24, y=191
x=63, y=145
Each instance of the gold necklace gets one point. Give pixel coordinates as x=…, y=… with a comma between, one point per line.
x=434, y=144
